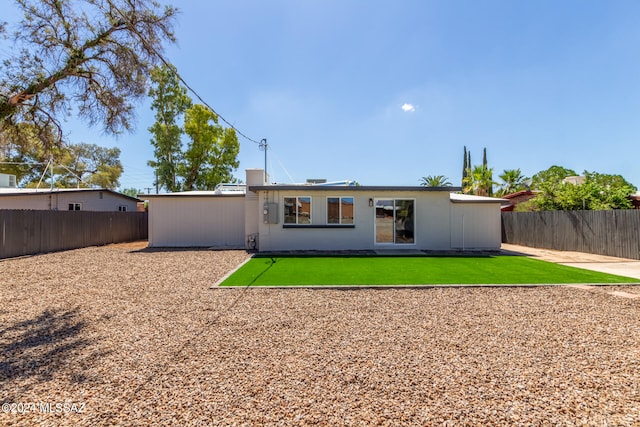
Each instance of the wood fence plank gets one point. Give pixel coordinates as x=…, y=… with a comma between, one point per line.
x=613, y=232
x=28, y=232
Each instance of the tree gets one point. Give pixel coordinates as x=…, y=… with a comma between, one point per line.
x=212, y=153
x=94, y=56
x=132, y=192
x=555, y=174
x=608, y=181
x=435, y=181
x=465, y=166
x=170, y=101
x=22, y=151
x=512, y=181
x=485, y=165
x=479, y=181
x=25, y=154
x=597, y=192
x=89, y=165
x=465, y=182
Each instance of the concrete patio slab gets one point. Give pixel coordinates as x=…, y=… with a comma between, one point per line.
x=601, y=263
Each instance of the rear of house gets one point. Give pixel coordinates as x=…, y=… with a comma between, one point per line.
x=371, y=218
x=269, y=217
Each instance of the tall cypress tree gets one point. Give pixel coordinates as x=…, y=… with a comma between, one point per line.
x=465, y=166
x=485, y=166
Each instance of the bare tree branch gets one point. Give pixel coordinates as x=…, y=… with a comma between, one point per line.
x=82, y=54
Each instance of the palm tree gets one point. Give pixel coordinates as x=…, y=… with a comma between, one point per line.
x=435, y=181
x=479, y=181
x=512, y=181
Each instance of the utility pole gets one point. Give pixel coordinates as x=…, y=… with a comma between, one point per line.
x=264, y=146
x=51, y=171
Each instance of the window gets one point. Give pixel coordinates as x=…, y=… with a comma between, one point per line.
x=75, y=206
x=395, y=221
x=297, y=210
x=122, y=208
x=340, y=210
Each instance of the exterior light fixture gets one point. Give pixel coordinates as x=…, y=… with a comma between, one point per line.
x=370, y=203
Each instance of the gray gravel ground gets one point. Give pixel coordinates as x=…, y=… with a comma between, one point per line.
x=123, y=336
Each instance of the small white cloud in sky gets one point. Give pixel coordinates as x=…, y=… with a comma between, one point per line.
x=408, y=108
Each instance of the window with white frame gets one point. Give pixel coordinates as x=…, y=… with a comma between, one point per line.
x=122, y=208
x=340, y=210
x=75, y=206
x=297, y=210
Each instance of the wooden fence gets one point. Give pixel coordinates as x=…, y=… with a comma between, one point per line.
x=27, y=232
x=613, y=232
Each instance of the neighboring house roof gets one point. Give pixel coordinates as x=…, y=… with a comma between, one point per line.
x=517, y=198
x=520, y=193
x=575, y=180
x=44, y=191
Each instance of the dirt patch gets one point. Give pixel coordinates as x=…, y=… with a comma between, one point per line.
x=137, y=245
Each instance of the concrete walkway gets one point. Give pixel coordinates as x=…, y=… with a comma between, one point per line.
x=602, y=263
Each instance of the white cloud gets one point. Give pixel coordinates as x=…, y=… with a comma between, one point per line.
x=408, y=108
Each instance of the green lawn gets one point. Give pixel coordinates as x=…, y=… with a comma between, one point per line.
x=426, y=270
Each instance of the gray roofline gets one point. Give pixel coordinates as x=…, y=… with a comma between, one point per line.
x=186, y=196
x=48, y=191
x=501, y=201
x=345, y=188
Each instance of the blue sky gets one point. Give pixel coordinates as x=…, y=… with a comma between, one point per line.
x=537, y=83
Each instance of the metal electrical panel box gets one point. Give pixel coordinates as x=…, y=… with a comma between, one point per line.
x=270, y=213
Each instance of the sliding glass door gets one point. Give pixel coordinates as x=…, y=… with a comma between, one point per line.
x=395, y=221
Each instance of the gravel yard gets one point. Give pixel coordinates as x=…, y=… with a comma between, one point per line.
x=123, y=335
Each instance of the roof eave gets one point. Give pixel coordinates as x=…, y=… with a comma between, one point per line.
x=358, y=188
x=182, y=195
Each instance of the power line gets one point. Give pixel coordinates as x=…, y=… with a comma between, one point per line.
x=282, y=166
x=168, y=64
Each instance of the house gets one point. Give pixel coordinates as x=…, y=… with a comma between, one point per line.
x=518, y=197
x=63, y=199
x=324, y=216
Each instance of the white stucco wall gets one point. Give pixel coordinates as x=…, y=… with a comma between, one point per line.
x=475, y=226
x=104, y=201
x=197, y=221
x=432, y=211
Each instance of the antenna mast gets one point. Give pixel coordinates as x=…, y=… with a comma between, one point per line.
x=263, y=147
